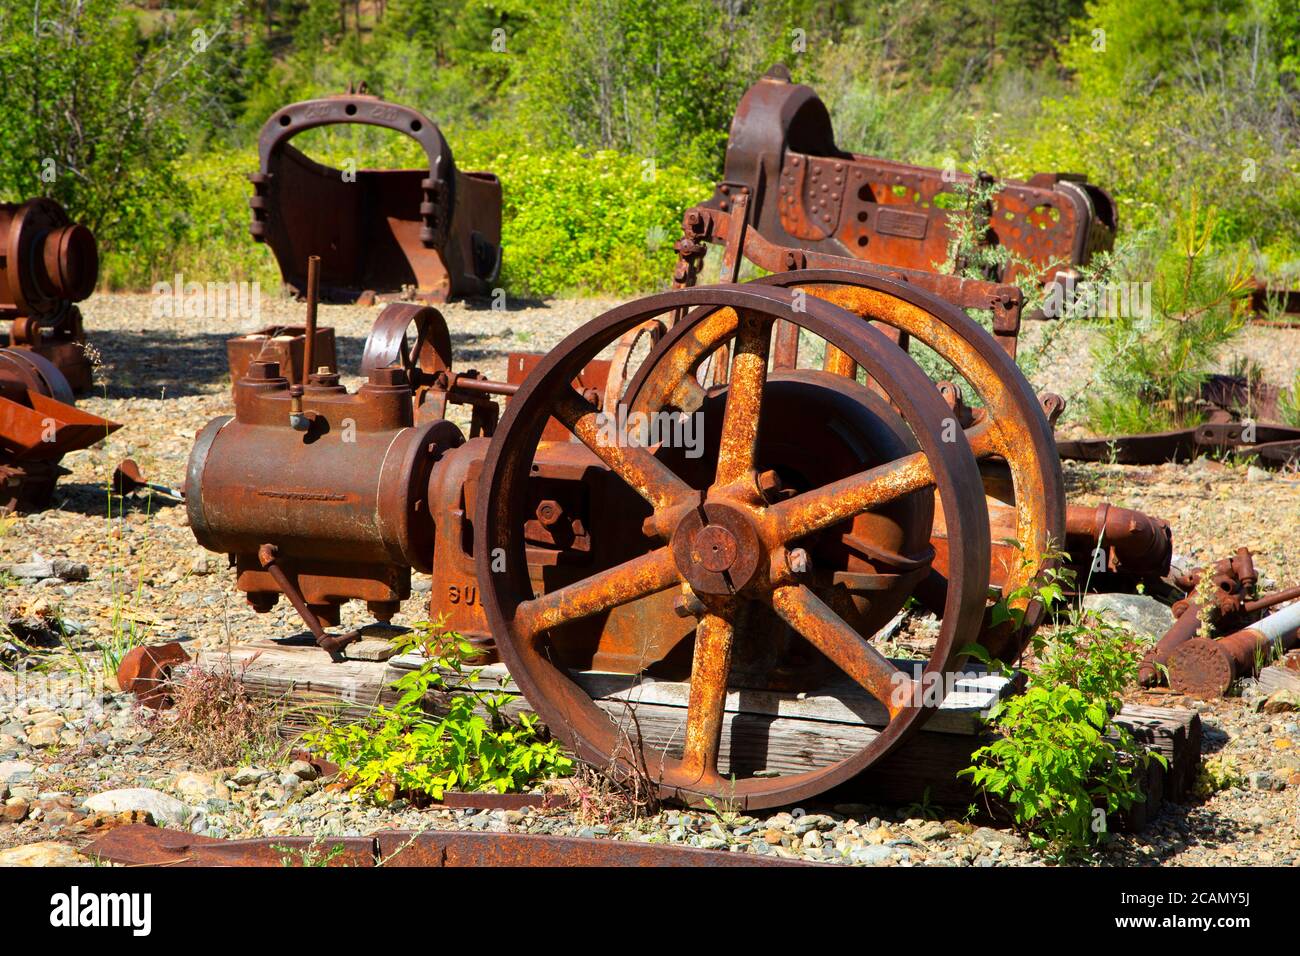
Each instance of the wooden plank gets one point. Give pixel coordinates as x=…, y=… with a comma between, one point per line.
x=763, y=731
x=840, y=703
x=1275, y=677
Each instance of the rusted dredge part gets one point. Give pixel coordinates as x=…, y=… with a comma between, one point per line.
x=1207, y=668
x=436, y=229
x=128, y=479
x=146, y=672
x=140, y=845
x=38, y=425
x=1233, y=581
x=47, y=263
x=1139, y=544
x=806, y=192
x=1273, y=445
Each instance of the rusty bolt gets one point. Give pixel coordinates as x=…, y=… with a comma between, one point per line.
x=769, y=484
x=797, y=558
x=549, y=512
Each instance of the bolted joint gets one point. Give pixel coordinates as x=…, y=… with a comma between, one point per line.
x=549, y=512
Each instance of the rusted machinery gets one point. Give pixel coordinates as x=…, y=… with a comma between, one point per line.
x=435, y=232
x=38, y=426
x=734, y=555
x=47, y=264
x=1206, y=668
x=804, y=192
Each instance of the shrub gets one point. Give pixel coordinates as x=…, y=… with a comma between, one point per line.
x=599, y=223
x=1060, y=765
x=403, y=750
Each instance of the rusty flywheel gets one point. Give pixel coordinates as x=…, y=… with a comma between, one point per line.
x=734, y=553
x=1011, y=437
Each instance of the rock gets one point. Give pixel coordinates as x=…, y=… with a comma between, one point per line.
x=931, y=832
x=1141, y=613
x=1263, y=780
x=46, y=736
x=16, y=771
x=871, y=855
x=14, y=810
x=773, y=837
x=1281, y=702
x=248, y=776
x=167, y=811
x=48, y=853
x=303, y=770
x=102, y=822
x=1255, y=474
x=991, y=837
x=40, y=568
x=196, y=788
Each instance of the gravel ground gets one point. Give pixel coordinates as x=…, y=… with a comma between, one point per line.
x=167, y=378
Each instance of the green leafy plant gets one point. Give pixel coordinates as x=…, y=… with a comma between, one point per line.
x=1060, y=766
x=404, y=750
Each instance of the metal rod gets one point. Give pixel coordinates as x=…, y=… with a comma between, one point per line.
x=313, y=291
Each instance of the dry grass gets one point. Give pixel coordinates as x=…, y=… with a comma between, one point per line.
x=218, y=722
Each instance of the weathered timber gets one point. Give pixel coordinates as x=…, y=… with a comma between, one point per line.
x=1277, y=677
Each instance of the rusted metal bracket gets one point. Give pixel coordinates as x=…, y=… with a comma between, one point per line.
x=436, y=230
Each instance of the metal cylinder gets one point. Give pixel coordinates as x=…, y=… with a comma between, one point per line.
x=1205, y=668
x=343, y=502
x=46, y=260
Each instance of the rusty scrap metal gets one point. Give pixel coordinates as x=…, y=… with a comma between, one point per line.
x=140, y=845
x=39, y=424
x=285, y=345
x=147, y=672
x=128, y=479
x=1274, y=445
x=804, y=192
x=47, y=263
x=435, y=231
x=1207, y=668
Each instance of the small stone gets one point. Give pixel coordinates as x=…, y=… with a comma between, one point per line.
x=991, y=837
x=1141, y=613
x=1256, y=474
x=14, y=811
x=248, y=776
x=197, y=788
x=303, y=770
x=15, y=772
x=881, y=835
x=46, y=736
x=1263, y=780
x=871, y=855
x=48, y=853
x=932, y=831
x=1281, y=702
x=773, y=837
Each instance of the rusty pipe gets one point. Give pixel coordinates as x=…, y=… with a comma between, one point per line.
x=298, y=421
x=1141, y=544
x=1185, y=628
x=1204, y=668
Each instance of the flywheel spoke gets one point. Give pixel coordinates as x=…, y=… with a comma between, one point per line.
x=848, y=497
x=811, y=617
x=744, y=398
x=645, y=474
x=708, y=697
x=648, y=574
